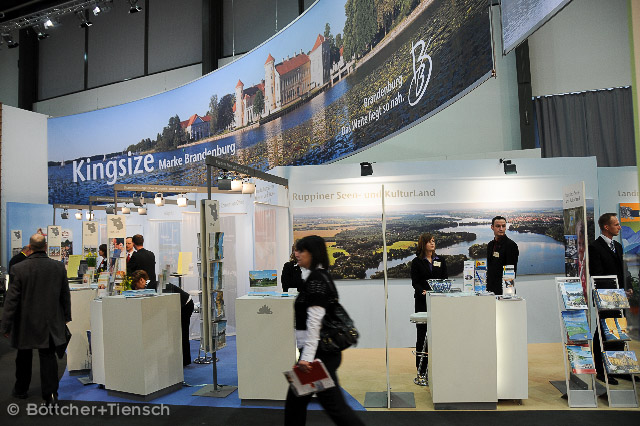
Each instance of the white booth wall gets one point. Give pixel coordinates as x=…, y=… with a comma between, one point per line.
x=476, y=181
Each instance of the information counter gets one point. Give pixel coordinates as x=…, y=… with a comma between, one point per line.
x=265, y=344
x=477, y=350
x=138, y=344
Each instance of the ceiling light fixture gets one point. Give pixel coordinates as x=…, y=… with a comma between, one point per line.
x=509, y=168
x=236, y=185
x=182, y=200
x=8, y=38
x=40, y=32
x=88, y=215
x=126, y=210
x=248, y=187
x=142, y=210
x=159, y=199
x=134, y=6
x=79, y=215
x=366, y=169
x=64, y=214
x=82, y=16
x=48, y=23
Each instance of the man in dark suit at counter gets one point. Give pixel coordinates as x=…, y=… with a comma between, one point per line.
x=501, y=251
x=605, y=258
x=142, y=259
x=37, y=307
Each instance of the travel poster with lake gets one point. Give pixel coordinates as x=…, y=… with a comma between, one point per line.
x=332, y=83
x=461, y=231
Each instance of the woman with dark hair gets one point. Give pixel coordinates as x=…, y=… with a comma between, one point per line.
x=425, y=266
x=139, y=280
x=316, y=294
x=102, y=251
x=291, y=276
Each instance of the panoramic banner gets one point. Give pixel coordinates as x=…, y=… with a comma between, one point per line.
x=446, y=200
x=334, y=82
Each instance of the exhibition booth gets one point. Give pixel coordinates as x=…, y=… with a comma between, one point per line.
x=278, y=129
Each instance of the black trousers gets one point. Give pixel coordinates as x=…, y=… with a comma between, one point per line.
x=332, y=400
x=48, y=370
x=185, y=320
x=421, y=333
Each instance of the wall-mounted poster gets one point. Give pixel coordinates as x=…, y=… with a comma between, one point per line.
x=54, y=242
x=116, y=234
x=16, y=241
x=335, y=81
x=90, y=238
x=575, y=234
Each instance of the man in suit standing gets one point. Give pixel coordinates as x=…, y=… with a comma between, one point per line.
x=605, y=258
x=37, y=308
x=142, y=259
x=130, y=248
x=501, y=251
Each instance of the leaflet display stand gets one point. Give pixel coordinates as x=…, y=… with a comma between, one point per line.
x=580, y=384
x=618, y=398
x=212, y=319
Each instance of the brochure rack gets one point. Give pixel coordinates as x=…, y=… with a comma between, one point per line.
x=581, y=387
x=618, y=398
x=212, y=319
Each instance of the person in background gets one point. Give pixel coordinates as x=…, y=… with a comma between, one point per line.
x=129, y=247
x=139, y=281
x=425, y=266
x=37, y=307
x=142, y=259
x=26, y=251
x=501, y=251
x=102, y=251
x=310, y=307
x=291, y=276
x=605, y=258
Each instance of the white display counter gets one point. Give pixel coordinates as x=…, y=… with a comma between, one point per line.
x=78, y=356
x=477, y=350
x=513, y=359
x=139, y=344
x=462, y=351
x=265, y=344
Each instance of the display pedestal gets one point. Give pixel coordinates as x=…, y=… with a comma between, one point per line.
x=511, y=340
x=462, y=351
x=266, y=346
x=142, y=344
x=78, y=355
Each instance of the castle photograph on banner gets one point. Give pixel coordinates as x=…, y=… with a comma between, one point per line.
x=330, y=84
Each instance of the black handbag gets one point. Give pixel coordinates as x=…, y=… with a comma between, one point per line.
x=60, y=350
x=338, y=331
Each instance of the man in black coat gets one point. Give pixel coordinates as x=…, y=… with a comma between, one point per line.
x=142, y=259
x=37, y=308
x=501, y=251
x=605, y=258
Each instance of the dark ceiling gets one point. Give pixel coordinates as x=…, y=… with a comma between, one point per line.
x=12, y=9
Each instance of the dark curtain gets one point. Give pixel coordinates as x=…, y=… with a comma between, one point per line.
x=596, y=123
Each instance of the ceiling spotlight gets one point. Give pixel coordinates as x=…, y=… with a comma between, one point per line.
x=40, y=32
x=142, y=210
x=82, y=16
x=134, y=6
x=126, y=210
x=509, y=168
x=224, y=184
x=79, y=215
x=248, y=187
x=11, y=43
x=88, y=215
x=64, y=214
x=159, y=199
x=182, y=200
x=236, y=185
x=48, y=24
x=110, y=210
x=96, y=10
x=366, y=169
